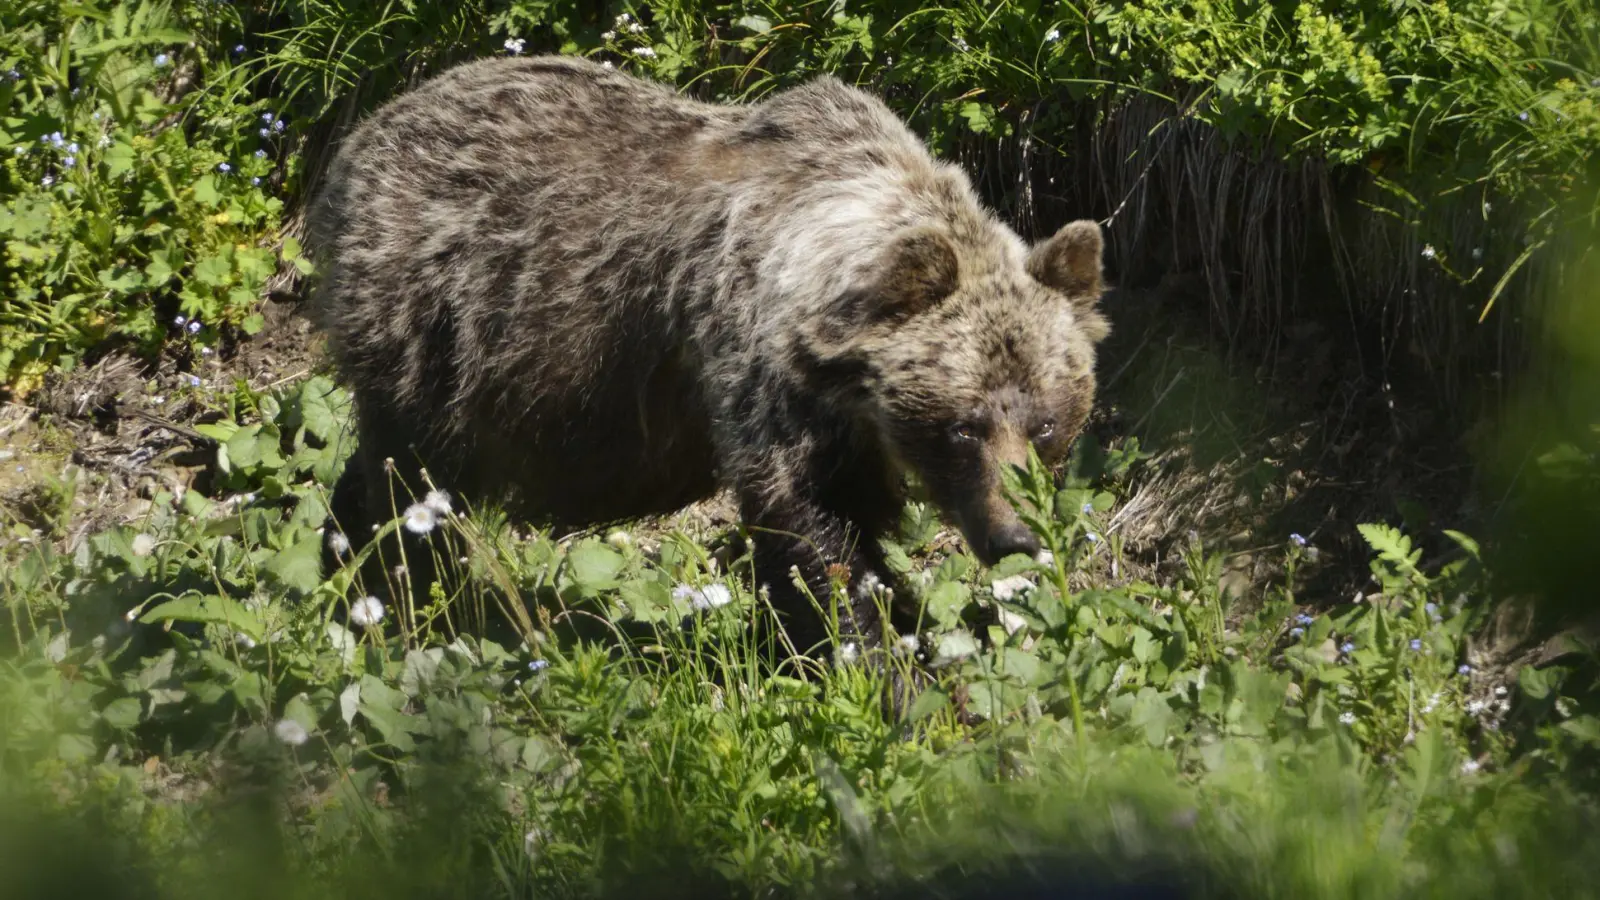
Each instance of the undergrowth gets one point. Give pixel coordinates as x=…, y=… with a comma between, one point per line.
x=164, y=670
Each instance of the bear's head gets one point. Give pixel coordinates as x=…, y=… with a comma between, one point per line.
x=965, y=354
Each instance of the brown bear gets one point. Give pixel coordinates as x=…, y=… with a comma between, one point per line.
x=580, y=295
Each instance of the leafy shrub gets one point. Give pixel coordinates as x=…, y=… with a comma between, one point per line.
x=137, y=212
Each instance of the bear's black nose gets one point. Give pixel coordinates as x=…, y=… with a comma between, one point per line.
x=1009, y=539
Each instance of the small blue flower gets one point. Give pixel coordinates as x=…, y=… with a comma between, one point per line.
x=1092, y=538
x=224, y=167
x=1416, y=643
x=266, y=117
x=1304, y=619
x=277, y=125
x=261, y=154
x=538, y=665
x=55, y=138
x=1463, y=669
x=47, y=180
x=255, y=180
x=238, y=48
x=194, y=327
x=1297, y=539
x=13, y=74
x=73, y=148
x=264, y=133
x=1087, y=508
x=205, y=351
x=194, y=380
x=1523, y=116
x=1347, y=647
x=69, y=162
x=19, y=150
x=162, y=59
x=1296, y=632
x=180, y=321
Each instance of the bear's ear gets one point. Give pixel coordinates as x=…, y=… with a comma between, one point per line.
x=918, y=269
x=1070, y=261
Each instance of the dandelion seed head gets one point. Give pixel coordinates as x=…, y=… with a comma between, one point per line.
x=438, y=501
x=420, y=518
x=338, y=543
x=367, y=612
x=290, y=732
x=715, y=596
x=909, y=644
x=143, y=545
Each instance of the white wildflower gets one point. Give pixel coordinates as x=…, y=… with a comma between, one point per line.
x=1500, y=691
x=367, y=612
x=909, y=644
x=1006, y=588
x=1053, y=35
x=961, y=44
x=623, y=20
x=1476, y=708
x=421, y=518
x=1347, y=718
x=619, y=539
x=338, y=543
x=515, y=45
x=848, y=653
x=607, y=65
x=438, y=501
x=635, y=28
x=646, y=52
x=290, y=732
x=713, y=596
x=143, y=545
x=1470, y=767
x=1428, y=252
x=608, y=35
x=1045, y=558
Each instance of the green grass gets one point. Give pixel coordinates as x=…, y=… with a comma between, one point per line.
x=609, y=734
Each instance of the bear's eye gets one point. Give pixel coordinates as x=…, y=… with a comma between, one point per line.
x=1045, y=430
x=964, y=431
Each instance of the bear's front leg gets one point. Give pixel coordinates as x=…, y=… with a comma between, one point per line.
x=796, y=529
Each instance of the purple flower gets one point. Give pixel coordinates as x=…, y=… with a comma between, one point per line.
x=194, y=380
x=1297, y=539
x=238, y=48
x=194, y=327
x=266, y=117
x=277, y=125
x=69, y=162
x=180, y=321
x=1523, y=116
x=255, y=180
x=265, y=133
x=1296, y=631
x=73, y=148
x=1463, y=669
x=1304, y=619
x=261, y=154
x=1416, y=643
x=1347, y=647
x=224, y=167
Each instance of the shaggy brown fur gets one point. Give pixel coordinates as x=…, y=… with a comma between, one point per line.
x=575, y=292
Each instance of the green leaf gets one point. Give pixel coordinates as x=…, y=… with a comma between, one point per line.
x=298, y=566
x=594, y=565
x=758, y=24
x=123, y=714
